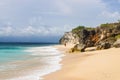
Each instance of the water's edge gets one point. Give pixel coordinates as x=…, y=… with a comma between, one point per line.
x=51, y=58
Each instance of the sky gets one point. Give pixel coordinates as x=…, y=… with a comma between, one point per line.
x=48, y=20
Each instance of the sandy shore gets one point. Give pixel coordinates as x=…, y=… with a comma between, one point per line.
x=94, y=65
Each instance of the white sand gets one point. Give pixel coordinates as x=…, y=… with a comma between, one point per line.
x=94, y=65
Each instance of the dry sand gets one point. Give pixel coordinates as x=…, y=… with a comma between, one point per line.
x=93, y=65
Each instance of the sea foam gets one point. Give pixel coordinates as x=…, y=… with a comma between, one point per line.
x=50, y=56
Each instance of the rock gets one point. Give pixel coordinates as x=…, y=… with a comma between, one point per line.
x=69, y=38
x=102, y=37
x=117, y=44
x=104, y=46
x=109, y=40
x=105, y=43
x=83, y=36
x=78, y=47
x=86, y=37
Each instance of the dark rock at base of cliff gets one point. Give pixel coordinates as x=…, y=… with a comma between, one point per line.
x=117, y=44
x=109, y=40
x=78, y=47
x=105, y=45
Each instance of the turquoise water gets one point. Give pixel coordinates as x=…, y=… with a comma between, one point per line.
x=30, y=61
x=11, y=53
x=16, y=51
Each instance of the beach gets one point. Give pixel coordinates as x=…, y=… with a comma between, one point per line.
x=90, y=65
x=56, y=63
x=28, y=61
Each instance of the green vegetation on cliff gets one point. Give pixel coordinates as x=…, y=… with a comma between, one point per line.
x=109, y=25
x=79, y=28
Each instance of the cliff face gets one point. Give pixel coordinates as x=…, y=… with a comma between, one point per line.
x=69, y=38
x=103, y=37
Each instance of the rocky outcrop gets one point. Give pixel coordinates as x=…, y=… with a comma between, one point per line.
x=78, y=47
x=117, y=43
x=103, y=37
x=105, y=45
x=69, y=38
x=86, y=37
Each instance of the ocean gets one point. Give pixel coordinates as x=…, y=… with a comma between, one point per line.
x=28, y=61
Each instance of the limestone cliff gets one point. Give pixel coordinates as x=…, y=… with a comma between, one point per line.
x=69, y=38
x=103, y=37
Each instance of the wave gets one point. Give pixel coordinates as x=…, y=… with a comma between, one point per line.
x=49, y=55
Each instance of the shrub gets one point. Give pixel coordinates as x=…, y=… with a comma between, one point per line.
x=90, y=28
x=104, y=25
x=118, y=36
x=109, y=25
x=77, y=29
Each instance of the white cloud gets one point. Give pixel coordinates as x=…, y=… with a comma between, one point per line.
x=62, y=7
x=33, y=31
x=35, y=20
x=71, y=7
x=113, y=15
x=6, y=31
x=36, y=13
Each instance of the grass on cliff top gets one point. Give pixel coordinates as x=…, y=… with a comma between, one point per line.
x=79, y=28
x=109, y=25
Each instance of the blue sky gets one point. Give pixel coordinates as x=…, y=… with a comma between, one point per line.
x=47, y=20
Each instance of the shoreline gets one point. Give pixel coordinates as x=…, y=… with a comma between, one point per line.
x=93, y=65
x=42, y=60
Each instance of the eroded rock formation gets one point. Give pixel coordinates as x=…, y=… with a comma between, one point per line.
x=69, y=38
x=102, y=37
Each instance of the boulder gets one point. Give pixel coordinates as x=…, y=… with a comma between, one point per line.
x=107, y=41
x=78, y=47
x=117, y=43
x=105, y=45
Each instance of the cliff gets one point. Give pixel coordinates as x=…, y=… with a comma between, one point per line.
x=69, y=38
x=103, y=37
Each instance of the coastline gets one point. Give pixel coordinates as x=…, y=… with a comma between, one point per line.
x=93, y=65
x=41, y=61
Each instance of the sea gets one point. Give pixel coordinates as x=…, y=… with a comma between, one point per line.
x=28, y=61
